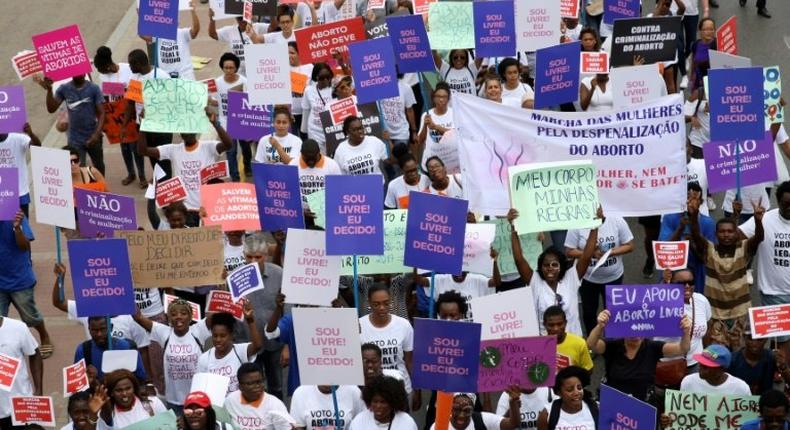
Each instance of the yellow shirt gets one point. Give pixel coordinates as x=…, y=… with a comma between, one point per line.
x=573, y=351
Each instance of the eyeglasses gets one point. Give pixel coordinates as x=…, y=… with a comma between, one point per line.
x=257, y=382
x=75, y=161
x=687, y=282
x=553, y=264
x=198, y=412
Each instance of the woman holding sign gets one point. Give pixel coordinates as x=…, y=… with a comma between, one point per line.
x=314, y=102
x=388, y=407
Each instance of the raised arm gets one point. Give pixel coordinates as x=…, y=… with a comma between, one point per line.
x=676, y=349
x=513, y=419
x=589, y=250
x=62, y=305
x=225, y=141
x=274, y=320
x=524, y=270
x=195, y=29
x=759, y=234
x=144, y=322
x=595, y=339
x=212, y=26
x=256, y=340
x=697, y=240
x=34, y=140
x=145, y=150
x=496, y=278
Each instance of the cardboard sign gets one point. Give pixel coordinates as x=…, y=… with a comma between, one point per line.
x=51, y=175
x=222, y=301
x=62, y=53
x=569, y=9
x=529, y=362
x=268, y=80
x=452, y=25
x=114, y=112
x=32, y=409
x=245, y=120
x=328, y=343
x=557, y=195
x=622, y=411
x=671, y=255
x=175, y=106
x=594, y=62
x=317, y=43
x=75, y=378
x=9, y=193
x=557, y=81
x=769, y=321
x=757, y=163
x=373, y=65
x=311, y=277
x=244, y=280
x=354, y=215
x=619, y=9
x=101, y=277
x=134, y=91
x=421, y=7
x=341, y=109
x=654, y=39
x=727, y=37
x=26, y=64
x=506, y=315
x=410, y=44
x=772, y=90
x=644, y=310
x=9, y=367
x=636, y=84
x=158, y=18
x=435, y=233
x=233, y=206
x=213, y=172
x=477, y=249
x=196, y=314
x=279, y=197
x=495, y=28
x=531, y=247
x=736, y=104
x=13, y=114
x=446, y=355
x=169, y=191
x=101, y=213
x=709, y=411
x=537, y=24
x=176, y=258
x=298, y=82
x=376, y=29
x=392, y=259
x=371, y=120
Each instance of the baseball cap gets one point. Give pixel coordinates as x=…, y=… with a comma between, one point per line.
x=714, y=356
x=197, y=398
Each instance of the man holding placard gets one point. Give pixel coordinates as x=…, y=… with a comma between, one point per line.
x=26, y=377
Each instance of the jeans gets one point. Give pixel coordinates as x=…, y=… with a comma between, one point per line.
x=233, y=159
x=688, y=35
x=131, y=159
x=558, y=239
x=25, y=303
x=96, y=152
x=269, y=361
x=590, y=292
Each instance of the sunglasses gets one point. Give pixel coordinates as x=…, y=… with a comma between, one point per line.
x=197, y=412
x=75, y=161
x=459, y=57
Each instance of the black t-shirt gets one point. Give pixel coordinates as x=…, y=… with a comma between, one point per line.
x=635, y=376
x=760, y=377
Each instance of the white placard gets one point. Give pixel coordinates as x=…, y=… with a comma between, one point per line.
x=329, y=346
x=215, y=386
x=477, y=249
x=269, y=74
x=723, y=60
x=636, y=84
x=310, y=277
x=537, y=24
x=506, y=315
x=53, y=193
x=119, y=359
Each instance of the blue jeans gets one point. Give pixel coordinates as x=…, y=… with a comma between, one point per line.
x=25, y=303
x=233, y=159
x=688, y=34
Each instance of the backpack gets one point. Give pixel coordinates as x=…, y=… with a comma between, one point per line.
x=556, y=408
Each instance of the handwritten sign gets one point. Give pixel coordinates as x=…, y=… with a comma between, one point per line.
x=477, y=249
x=222, y=301
x=244, y=280
x=269, y=80
x=727, y=36
x=298, y=82
x=531, y=247
x=772, y=89
x=134, y=91
x=770, y=321
x=354, y=215
x=196, y=314
x=554, y=196
x=373, y=64
x=435, y=232
x=32, y=409
x=311, y=277
x=528, y=362
x=101, y=213
x=245, y=120
x=569, y=9
x=410, y=43
x=114, y=111
x=636, y=84
x=213, y=172
x=328, y=343
x=175, y=106
x=392, y=259
x=9, y=367
x=446, y=355
x=644, y=310
x=13, y=114
x=623, y=412
x=619, y=9
x=176, y=258
x=595, y=62
x=233, y=206
x=557, y=81
x=51, y=174
x=62, y=53
x=452, y=25
x=654, y=39
x=101, y=277
x=709, y=411
x=9, y=193
x=671, y=255
x=537, y=24
x=279, y=198
x=495, y=28
x=26, y=64
x=169, y=191
x=317, y=43
x=75, y=378
x=158, y=18
x=506, y=315
x=736, y=104
x=757, y=162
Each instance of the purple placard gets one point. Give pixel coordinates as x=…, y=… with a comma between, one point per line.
x=246, y=121
x=9, y=193
x=644, y=310
x=495, y=28
x=621, y=411
x=13, y=114
x=736, y=104
x=355, y=215
x=557, y=81
x=279, y=199
x=158, y=18
x=757, y=160
x=410, y=43
x=103, y=213
x=244, y=280
x=528, y=362
x=373, y=63
x=435, y=232
x=101, y=277
x=618, y=9
x=446, y=355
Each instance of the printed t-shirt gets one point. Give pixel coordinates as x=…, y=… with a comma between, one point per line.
x=187, y=163
x=180, y=357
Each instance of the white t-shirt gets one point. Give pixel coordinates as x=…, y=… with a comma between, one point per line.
x=394, y=339
x=531, y=405
x=518, y=95
x=751, y=194
x=473, y=286
x=773, y=254
x=296, y=99
x=447, y=153
x=253, y=415
x=123, y=75
x=123, y=326
x=187, y=164
x=567, y=295
x=398, y=191
x=227, y=365
x=698, y=136
x=175, y=56
x=277, y=37
x=314, y=410
x=13, y=153
x=221, y=96
x=491, y=422
x=17, y=342
x=327, y=12
x=313, y=103
x=582, y=420
x=180, y=357
x=732, y=386
x=393, y=110
x=695, y=170
x=365, y=421
x=702, y=315
x=234, y=256
x=460, y=80
x=363, y=159
x=137, y=413
x=312, y=179
x=236, y=39
x=454, y=188
x=265, y=153
x=692, y=8
x=781, y=168
x=612, y=233
x=149, y=300
x=601, y=100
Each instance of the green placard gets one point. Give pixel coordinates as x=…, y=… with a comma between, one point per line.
x=531, y=247
x=451, y=25
x=161, y=421
x=394, y=244
x=175, y=106
x=316, y=201
x=709, y=411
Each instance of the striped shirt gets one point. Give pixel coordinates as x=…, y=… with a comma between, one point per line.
x=725, y=282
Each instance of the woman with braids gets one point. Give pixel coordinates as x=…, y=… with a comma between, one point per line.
x=388, y=406
x=125, y=403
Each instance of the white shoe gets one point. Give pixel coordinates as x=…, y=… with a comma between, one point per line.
x=684, y=83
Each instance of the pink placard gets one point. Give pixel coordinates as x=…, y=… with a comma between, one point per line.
x=113, y=88
x=62, y=53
